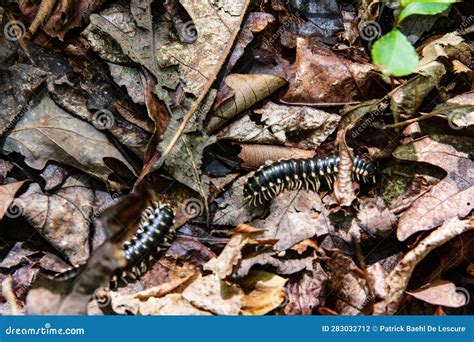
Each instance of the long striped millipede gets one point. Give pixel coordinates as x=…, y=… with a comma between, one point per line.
x=294, y=174
x=154, y=234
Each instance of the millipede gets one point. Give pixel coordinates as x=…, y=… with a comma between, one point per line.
x=154, y=234
x=294, y=174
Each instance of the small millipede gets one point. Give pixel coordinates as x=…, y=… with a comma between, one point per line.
x=295, y=174
x=154, y=234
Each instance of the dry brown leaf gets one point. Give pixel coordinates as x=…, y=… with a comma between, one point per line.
x=399, y=277
x=249, y=89
x=253, y=156
x=172, y=304
x=327, y=78
x=459, y=110
x=440, y=292
x=47, y=132
x=307, y=293
x=7, y=194
x=453, y=196
x=62, y=217
x=343, y=189
x=278, y=123
x=294, y=216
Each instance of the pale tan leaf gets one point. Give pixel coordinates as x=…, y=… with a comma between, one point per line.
x=441, y=292
x=249, y=89
x=266, y=293
x=7, y=194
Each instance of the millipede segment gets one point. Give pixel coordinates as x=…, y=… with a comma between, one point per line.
x=295, y=174
x=153, y=235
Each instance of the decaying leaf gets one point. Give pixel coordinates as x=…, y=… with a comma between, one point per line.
x=211, y=293
x=62, y=217
x=249, y=89
x=278, y=123
x=325, y=77
x=453, y=196
x=294, y=217
x=398, y=278
x=253, y=155
x=47, y=132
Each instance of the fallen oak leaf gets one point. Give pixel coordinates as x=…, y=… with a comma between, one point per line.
x=452, y=196
x=47, y=132
x=399, y=277
x=294, y=216
x=62, y=217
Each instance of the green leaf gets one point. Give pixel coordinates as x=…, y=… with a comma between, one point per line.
x=394, y=54
x=406, y=2
x=424, y=8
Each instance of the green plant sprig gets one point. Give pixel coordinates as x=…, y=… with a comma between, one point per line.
x=392, y=52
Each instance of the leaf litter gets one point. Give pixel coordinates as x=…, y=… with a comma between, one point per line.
x=180, y=102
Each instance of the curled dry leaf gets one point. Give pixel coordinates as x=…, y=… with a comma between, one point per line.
x=62, y=217
x=343, y=189
x=399, y=277
x=441, y=292
x=255, y=22
x=249, y=89
x=278, y=123
x=453, y=196
x=459, y=110
x=253, y=156
x=407, y=98
x=53, y=134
